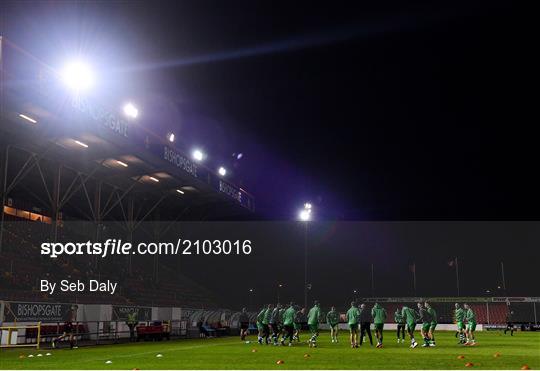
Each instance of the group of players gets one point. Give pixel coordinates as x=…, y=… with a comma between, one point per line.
x=282, y=325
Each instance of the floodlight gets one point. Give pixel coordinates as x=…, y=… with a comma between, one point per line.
x=180, y=191
x=130, y=110
x=304, y=215
x=154, y=179
x=121, y=163
x=170, y=137
x=222, y=171
x=77, y=76
x=28, y=118
x=307, y=206
x=198, y=155
x=81, y=143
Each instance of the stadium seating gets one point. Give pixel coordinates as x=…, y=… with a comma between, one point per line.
x=21, y=266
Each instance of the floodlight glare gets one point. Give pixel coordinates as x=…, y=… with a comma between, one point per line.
x=121, y=163
x=170, y=137
x=154, y=179
x=81, y=143
x=78, y=76
x=198, y=155
x=304, y=215
x=222, y=171
x=307, y=206
x=27, y=118
x=180, y=191
x=131, y=111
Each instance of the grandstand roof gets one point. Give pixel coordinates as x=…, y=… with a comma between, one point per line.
x=89, y=139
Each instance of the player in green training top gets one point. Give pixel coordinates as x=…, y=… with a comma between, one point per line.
x=433, y=315
x=400, y=322
x=299, y=319
x=288, y=324
x=425, y=318
x=275, y=323
x=266, y=322
x=353, y=316
x=471, y=324
x=281, y=326
x=459, y=316
x=379, y=316
x=260, y=327
x=314, y=316
x=410, y=319
x=332, y=318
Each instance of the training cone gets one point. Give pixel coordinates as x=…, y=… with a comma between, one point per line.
x=280, y=362
x=108, y=362
x=21, y=356
x=525, y=367
x=30, y=356
x=48, y=354
x=497, y=355
x=460, y=357
x=159, y=355
x=40, y=355
x=468, y=364
x=253, y=350
x=306, y=355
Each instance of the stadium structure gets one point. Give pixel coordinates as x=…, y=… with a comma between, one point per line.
x=67, y=159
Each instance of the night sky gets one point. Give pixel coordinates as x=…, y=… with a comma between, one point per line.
x=371, y=111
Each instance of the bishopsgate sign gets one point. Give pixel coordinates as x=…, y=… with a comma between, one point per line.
x=31, y=312
x=179, y=160
x=230, y=191
x=101, y=115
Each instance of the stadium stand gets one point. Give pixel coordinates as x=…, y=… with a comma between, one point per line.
x=22, y=266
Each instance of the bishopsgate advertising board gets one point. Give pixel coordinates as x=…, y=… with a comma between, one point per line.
x=34, y=312
x=121, y=312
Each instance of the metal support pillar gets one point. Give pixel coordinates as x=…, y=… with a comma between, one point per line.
x=4, y=194
x=55, y=204
x=130, y=225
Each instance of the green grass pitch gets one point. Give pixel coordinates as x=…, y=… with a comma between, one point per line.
x=231, y=353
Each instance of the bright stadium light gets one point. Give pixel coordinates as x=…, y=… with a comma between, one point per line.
x=154, y=179
x=197, y=155
x=82, y=144
x=130, y=110
x=304, y=215
x=27, y=118
x=222, y=171
x=170, y=137
x=180, y=191
x=78, y=76
x=121, y=163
